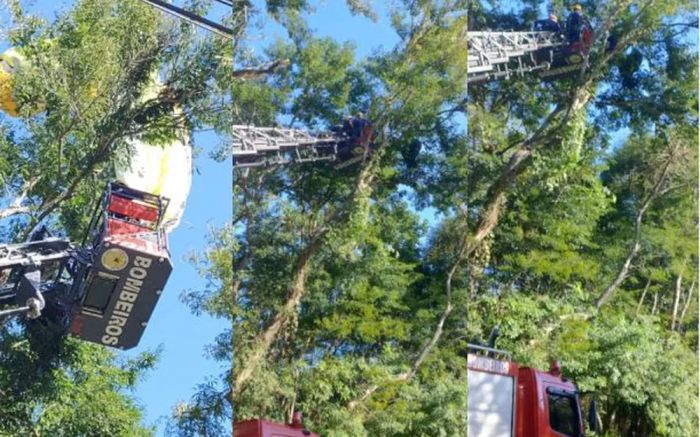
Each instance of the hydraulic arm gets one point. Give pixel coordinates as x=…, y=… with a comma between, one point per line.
x=262, y=146
x=28, y=270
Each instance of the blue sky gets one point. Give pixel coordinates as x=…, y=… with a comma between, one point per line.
x=332, y=19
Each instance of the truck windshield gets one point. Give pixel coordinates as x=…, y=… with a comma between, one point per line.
x=563, y=412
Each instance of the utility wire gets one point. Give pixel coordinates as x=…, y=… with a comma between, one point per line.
x=193, y=18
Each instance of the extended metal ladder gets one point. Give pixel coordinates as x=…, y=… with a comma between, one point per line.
x=272, y=146
x=496, y=55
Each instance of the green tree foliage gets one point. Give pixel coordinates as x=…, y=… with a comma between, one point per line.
x=81, y=100
x=340, y=303
x=584, y=193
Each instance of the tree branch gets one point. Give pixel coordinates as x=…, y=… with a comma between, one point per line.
x=636, y=245
x=250, y=73
x=687, y=304
x=437, y=333
x=676, y=301
x=16, y=207
x=644, y=293
x=263, y=341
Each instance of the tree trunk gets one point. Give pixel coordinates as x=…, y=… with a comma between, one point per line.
x=644, y=293
x=686, y=305
x=489, y=216
x=518, y=163
x=677, y=299
x=237, y=276
x=264, y=340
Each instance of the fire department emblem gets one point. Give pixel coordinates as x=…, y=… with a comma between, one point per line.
x=115, y=259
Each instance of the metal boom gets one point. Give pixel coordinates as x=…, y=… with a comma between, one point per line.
x=272, y=146
x=496, y=55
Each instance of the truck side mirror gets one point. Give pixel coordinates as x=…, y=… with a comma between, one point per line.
x=593, y=416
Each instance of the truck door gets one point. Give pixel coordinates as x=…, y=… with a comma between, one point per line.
x=563, y=415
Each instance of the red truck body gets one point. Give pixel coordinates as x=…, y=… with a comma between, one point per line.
x=265, y=428
x=507, y=400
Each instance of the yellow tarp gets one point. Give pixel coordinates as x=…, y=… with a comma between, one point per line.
x=164, y=170
x=10, y=63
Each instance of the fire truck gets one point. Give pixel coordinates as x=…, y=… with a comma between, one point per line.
x=266, y=428
x=506, y=399
x=102, y=290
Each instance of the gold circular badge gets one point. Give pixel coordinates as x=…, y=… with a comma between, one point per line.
x=115, y=259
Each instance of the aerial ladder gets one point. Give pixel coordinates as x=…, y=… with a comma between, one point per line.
x=501, y=54
x=496, y=55
x=102, y=290
x=343, y=145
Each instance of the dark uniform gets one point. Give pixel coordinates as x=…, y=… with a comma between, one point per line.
x=573, y=27
x=358, y=132
x=550, y=25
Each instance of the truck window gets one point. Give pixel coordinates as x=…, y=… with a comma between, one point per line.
x=563, y=412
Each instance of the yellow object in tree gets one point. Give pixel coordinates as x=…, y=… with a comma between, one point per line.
x=164, y=170
x=7, y=102
x=10, y=63
x=13, y=62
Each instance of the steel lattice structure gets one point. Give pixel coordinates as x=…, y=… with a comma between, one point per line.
x=271, y=146
x=495, y=55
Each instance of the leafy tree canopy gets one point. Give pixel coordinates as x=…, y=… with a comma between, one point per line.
x=584, y=197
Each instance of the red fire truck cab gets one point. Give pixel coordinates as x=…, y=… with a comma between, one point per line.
x=265, y=428
x=509, y=400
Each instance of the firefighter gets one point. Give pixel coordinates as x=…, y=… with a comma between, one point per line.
x=361, y=134
x=574, y=23
x=359, y=125
x=551, y=24
x=342, y=128
x=358, y=133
